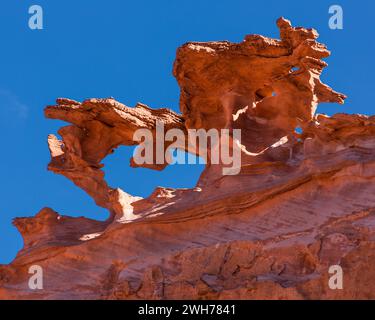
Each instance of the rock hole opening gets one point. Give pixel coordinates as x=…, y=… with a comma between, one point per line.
x=294, y=69
x=142, y=181
x=298, y=130
x=266, y=91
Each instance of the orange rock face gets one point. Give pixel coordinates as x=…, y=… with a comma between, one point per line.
x=301, y=202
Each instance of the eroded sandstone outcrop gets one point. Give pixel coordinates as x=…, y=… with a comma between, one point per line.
x=302, y=201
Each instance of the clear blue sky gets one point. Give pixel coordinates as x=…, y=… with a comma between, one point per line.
x=125, y=49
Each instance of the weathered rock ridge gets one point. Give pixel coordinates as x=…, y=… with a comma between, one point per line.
x=303, y=201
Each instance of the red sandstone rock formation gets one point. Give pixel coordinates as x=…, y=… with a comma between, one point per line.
x=301, y=202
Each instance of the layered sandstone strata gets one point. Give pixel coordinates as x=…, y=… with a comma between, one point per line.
x=302, y=201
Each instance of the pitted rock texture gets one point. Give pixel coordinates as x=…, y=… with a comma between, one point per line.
x=301, y=202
